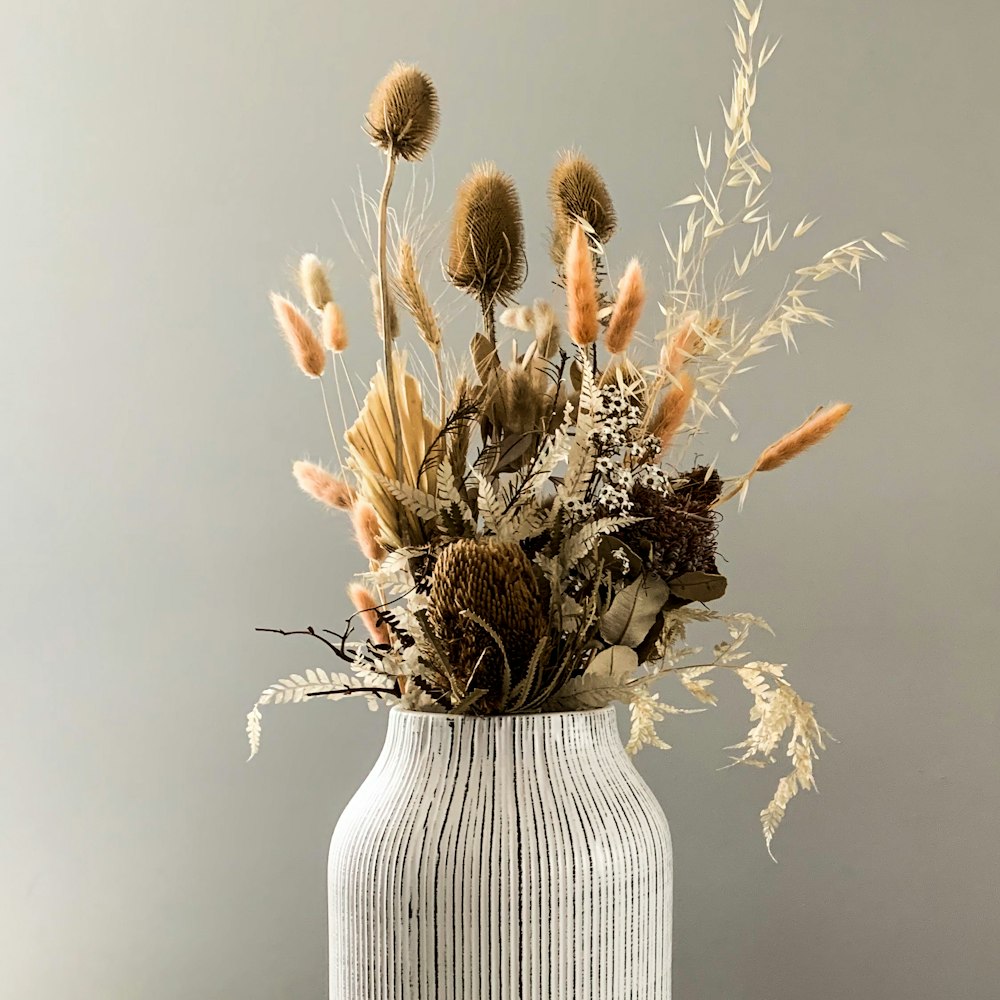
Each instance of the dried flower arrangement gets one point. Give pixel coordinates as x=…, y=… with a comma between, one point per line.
x=536, y=537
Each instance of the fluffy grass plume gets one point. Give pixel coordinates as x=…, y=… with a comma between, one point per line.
x=403, y=113
x=578, y=192
x=811, y=431
x=367, y=531
x=418, y=305
x=323, y=486
x=581, y=290
x=627, y=310
x=333, y=329
x=307, y=351
x=313, y=281
x=366, y=605
x=670, y=413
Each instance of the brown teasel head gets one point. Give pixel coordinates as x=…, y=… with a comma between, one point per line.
x=495, y=581
x=403, y=114
x=486, y=244
x=577, y=191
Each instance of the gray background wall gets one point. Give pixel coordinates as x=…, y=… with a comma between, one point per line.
x=163, y=165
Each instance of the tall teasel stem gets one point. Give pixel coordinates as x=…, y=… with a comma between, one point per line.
x=383, y=284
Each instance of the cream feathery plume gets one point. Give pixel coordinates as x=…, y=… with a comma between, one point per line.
x=324, y=486
x=333, y=328
x=581, y=290
x=670, y=413
x=546, y=328
x=627, y=309
x=366, y=604
x=366, y=531
x=313, y=282
x=518, y=318
x=302, y=341
x=809, y=432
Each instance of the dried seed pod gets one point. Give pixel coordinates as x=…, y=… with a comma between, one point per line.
x=324, y=486
x=486, y=244
x=403, y=113
x=313, y=282
x=307, y=351
x=581, y=290
x=577, y=191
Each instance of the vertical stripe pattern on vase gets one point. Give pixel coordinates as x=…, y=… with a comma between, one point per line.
x=500, y=858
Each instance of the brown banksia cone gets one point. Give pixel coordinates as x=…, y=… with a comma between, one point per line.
x=486, y=243
x=578, y=192
x=403, y=114
x=495, y=581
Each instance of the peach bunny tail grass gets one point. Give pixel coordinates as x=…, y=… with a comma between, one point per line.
x=366, y=531
x=810, y=432
x=333, y=328
x=684, y=343
x=302, y=341
x=670, y=413
x=324, y=486
x=366, y=605
x=581, y=290
x=627, y=310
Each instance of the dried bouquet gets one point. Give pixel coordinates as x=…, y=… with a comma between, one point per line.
x=537, y=536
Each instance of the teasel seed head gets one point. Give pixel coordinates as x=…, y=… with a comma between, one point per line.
x=627, y=310
x=366, y=531
x=403, y=113
x=323, y=486
x=486, y=244
x=333, y=328
x=581, y=290
x=577, y=191
x=307, y=351
x=313, y=281
x=366, y=604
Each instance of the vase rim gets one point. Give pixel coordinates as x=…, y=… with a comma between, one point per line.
x=572, y=713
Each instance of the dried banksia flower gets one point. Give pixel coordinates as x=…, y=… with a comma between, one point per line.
x=808, y=433
x=627, y=310
x=486, y=244
x=403, y=113
x=392, y=315
x=302, y=341
x=324, y=486
x=495, y=581
x=581, y=290
x=670, y=413
x=333, y=328
x=313, y=282
x=367, y=604
x=366, y=531
x=577, y=191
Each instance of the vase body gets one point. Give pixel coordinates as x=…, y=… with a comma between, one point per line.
x=500, y=858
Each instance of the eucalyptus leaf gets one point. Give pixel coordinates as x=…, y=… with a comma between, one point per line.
x=696, y=586
x=633, y=611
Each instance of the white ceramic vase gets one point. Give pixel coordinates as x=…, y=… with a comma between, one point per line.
x=500, y=858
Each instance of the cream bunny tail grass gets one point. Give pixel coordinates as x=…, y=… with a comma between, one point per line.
x=366, y=605
x=313, y=282
x=324, y=486
x=627, y=310
x=809, y=432
x=581, y=290
x=367, y=531
x=333, y=328
x=670, y=413
x=305, y=346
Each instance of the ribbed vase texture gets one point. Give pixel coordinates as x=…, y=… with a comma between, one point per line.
x=500, y=858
